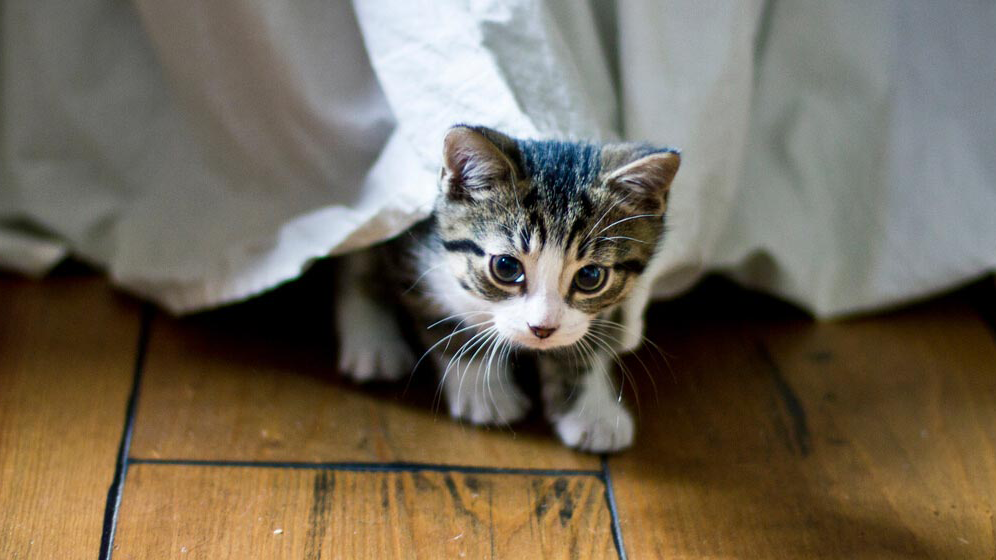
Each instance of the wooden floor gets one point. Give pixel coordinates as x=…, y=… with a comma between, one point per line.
x=125, y=433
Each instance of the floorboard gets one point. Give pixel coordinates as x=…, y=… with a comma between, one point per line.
x=253, y=383
x=786, y=438
x=244, y=512
x=761, y=434
x=67, y=352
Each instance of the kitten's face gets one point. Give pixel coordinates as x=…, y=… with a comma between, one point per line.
x=542, y=237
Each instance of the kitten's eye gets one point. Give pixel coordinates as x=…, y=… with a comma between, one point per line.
x=590, y=278
x=507, y=269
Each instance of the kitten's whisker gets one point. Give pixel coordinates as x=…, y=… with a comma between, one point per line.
x=646, y=370
x=491, y=356
x=503, y=366
x=583, y=244
x=480, y=378
x=615, y=237
x=486, y=364
x=584, y=357
x=572, y=355
x=609, y=340
x=622, y=368
x=628, y=218
x=590, y=359
x=622, y=327
x=446, y=339
x=507, y=353
x=485, y=376
x=587, y=236
x=478, y=344
x=496, y=342
x=574, y=367
x=456, y=356
x=466, y=347
x=455, y=315
x=423, y=275
x=461, y=322
x=597, y=328
x=660, y=351
x=590, y=353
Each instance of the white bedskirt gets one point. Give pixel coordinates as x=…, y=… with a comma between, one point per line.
x=839, y=154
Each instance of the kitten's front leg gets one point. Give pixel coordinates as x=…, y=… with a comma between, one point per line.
x=481, y=389
x=371, y=347
x=584, y=406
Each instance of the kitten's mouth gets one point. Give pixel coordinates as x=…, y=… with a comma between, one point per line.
x=551, y=343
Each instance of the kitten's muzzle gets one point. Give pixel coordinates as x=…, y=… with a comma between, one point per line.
x=542, y=332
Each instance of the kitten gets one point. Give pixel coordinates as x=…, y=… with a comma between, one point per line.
x=532, y=245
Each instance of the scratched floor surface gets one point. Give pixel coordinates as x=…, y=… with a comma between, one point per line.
x=125, y=433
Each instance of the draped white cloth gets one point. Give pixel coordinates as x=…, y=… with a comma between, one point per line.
x=839, y=154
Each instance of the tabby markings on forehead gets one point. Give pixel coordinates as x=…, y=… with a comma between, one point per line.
x=525, y=237
x=463, y=246
x=559, y=167
x=539, y=226
x=576, y=229
x=560, y=174
x=529, y=201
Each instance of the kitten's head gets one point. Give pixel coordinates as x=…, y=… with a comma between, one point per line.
x=545, y=235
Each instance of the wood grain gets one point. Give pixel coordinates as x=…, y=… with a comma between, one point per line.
x=248, y=385
x=785, y=438
x=224, y=512
x=67, y=350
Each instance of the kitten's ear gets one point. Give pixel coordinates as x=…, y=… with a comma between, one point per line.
x=473, y=162
x=645, y=182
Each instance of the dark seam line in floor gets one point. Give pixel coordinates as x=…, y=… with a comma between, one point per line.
x=121, y=468
x=798, y=439
x=366, y=467
x=610, y=497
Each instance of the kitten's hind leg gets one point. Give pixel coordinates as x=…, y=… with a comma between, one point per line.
x=371, y=347
x=584, y=407
x=481, y=389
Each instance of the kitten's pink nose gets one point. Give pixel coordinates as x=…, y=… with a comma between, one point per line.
x=542, y=332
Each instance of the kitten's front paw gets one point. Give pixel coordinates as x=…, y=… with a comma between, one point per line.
x=366, y=359
x=597, y=428
x=496, y=405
